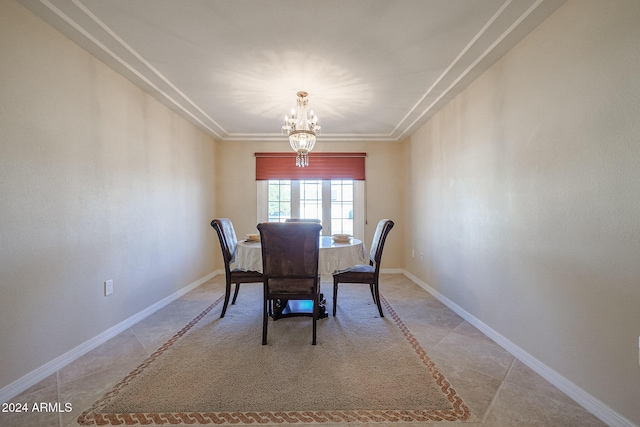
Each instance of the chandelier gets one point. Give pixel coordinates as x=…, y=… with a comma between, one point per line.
x=302, y=129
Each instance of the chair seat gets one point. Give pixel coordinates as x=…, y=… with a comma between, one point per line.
x=357, y=273
x=246, y=276
x=288, y=287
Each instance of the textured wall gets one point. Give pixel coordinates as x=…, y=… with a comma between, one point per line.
x=97, y=181
x=523, y=195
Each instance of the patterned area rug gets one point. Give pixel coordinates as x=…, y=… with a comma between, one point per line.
x=364, y=369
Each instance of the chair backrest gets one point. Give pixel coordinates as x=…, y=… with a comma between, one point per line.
x=290, y=249
x=315, y=221
x=228, y=239
x=377, y=244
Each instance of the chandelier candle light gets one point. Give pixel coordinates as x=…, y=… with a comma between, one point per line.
x=302, y=129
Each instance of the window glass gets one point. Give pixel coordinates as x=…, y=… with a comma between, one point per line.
x=311, y=199
x=279, y=200
x=342, y=207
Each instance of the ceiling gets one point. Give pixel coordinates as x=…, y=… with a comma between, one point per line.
x=375, y=70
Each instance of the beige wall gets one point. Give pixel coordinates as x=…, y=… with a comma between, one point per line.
x=523, y=195
x=97, y=181
x=384, y=187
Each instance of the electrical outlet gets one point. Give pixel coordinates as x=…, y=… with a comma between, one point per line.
x=421, y=256
x=413, y=253
x=108, y=288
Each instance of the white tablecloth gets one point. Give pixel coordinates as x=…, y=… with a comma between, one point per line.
x=333, y=256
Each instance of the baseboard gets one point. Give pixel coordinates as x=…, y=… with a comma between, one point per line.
x=590, y=403
x=34, y=377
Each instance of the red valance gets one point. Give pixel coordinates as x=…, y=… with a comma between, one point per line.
x=321, y=166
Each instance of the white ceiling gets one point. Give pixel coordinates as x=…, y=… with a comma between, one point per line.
x=375, y=70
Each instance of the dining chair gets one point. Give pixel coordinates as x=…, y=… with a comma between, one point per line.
x=290, y=266
x=315, y=221
x=368, y=273
x=228, y=244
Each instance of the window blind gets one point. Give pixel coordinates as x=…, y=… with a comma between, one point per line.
x=321, y=166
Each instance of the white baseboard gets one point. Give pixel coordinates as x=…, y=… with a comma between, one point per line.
x=590, y=403
x=21, y=384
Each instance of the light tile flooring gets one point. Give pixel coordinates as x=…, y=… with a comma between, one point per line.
x=499, y=390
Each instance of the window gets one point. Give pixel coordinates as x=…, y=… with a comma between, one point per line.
x=331, y=189
x=338, y=204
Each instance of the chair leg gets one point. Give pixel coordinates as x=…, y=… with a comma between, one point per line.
x=227, y=293
x=235, y=294
x=316, y=309
x=377, y=298
x=335, y=295
x=265, y=320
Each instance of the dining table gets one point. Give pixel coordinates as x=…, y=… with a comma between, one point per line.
x=334, y=255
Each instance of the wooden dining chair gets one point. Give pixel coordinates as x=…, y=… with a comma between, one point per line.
x=367, y=274
x=228, y=244
x=290, y=266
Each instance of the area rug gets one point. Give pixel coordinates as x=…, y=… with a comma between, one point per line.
x=363, y=370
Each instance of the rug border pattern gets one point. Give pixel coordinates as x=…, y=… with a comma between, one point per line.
x=460, y=411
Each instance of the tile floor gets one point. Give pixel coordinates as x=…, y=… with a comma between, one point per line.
x=499, y=390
